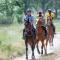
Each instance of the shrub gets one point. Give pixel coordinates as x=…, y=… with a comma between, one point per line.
x=19, y=18
x=5, y=19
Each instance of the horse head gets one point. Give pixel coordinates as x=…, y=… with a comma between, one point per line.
x=39, y=22
x=39, y=25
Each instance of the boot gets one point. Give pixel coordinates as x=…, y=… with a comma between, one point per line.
x=53, y=28
x=34, y=32
x=44, y=28
x=23, y=33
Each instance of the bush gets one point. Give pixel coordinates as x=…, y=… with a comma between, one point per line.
x=5, y=19
x=19, y=19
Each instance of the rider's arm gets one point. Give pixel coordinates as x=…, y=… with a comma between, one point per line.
x=32, y=20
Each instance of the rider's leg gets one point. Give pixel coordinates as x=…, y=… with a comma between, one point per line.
x=34, y=31
x=53, y=27
x=23, y=33
x=44, y=28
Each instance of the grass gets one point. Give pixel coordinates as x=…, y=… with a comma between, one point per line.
x=11, y=43
x=11, y=33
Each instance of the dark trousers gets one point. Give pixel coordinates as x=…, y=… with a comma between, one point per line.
x=23, y=33
x=34, y=32
x=44, y=28
x=53, y=27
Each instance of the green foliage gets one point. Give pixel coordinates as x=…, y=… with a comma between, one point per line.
x=6, y=19
x=8, y=8
x=11, y=7
x=19, y=19
x=11, y=43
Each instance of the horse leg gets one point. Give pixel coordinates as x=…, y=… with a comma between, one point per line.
x=33, y=47
x=26, y=50
x=42, y=48
x=33, y=52
x=52, y=41
x=52, y=36
x=45, y=47
x=37, y=48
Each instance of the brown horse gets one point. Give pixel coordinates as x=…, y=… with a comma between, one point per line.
x=50, y=30
x=40, y=36
x=29, y=38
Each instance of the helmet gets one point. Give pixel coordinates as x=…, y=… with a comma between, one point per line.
x=28, y=10
x=40, y=12
x=49, y=10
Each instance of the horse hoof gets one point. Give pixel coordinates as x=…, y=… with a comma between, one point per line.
x=45, y=53
x=38, y=52
x=26, y=58
x=33, y=57
x=41, y=53
x=52, y=44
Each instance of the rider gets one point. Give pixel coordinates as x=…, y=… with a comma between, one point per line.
x=40, y=15
x=31, y=20
x=51, y=15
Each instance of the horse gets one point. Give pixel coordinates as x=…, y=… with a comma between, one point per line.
x=29, y=38
x=40, y=36
x=50, y=30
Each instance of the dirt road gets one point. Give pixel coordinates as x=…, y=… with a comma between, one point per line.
x=53, y=52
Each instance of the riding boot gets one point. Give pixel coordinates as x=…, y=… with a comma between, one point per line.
x=34, y=32
x=23, y=33
x=53, y=28
x=44, y=28
x=45, y=32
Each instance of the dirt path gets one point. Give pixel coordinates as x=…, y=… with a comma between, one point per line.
x=53, y=52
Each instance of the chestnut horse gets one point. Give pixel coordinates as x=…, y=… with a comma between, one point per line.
x=40, y=36
x=50, y=30
x=29, y=38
